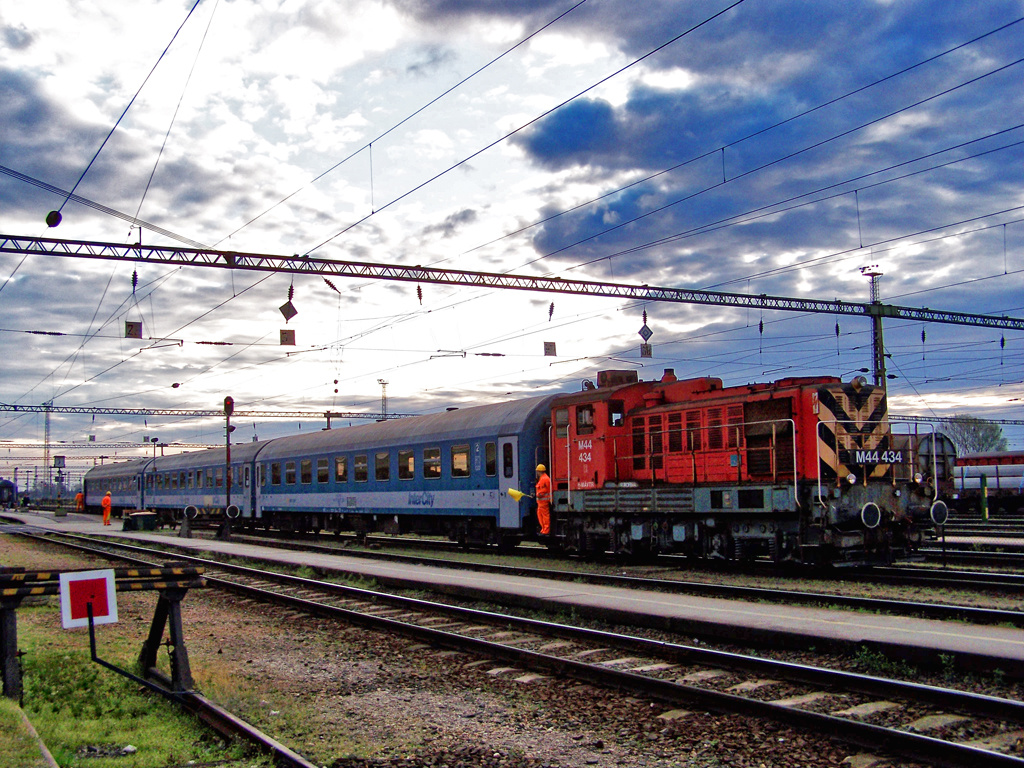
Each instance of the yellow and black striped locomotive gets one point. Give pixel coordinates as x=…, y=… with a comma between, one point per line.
x=801, y=469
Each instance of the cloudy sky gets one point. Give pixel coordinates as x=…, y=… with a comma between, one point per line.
x=754, y=147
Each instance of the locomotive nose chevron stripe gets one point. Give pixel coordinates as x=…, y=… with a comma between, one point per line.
x=852, y=419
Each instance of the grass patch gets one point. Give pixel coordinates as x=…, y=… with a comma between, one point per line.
x=874, y=662
x=19, y=748
x=87, y=715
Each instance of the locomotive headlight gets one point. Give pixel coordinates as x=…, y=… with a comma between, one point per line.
x=918, y=477
x=851, y=478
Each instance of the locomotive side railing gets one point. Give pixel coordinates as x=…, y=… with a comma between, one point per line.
x=656, y=459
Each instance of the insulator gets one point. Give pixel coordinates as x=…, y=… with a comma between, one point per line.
x=331, y=285
x=837, y=330
x=760, y=326
x=645, y=317
x=1002, y=342
x=419, y=293
x=923, y=335
x=291, y=292
x=135, y=280
x=551, y=311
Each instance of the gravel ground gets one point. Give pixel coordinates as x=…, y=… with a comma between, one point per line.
x=346, y=697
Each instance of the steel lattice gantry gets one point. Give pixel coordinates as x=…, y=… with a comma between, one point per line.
x=207, y=412
x=306, y=264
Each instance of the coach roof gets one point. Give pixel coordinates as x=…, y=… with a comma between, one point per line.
x=478, y=422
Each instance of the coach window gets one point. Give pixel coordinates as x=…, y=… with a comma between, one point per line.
x=584, y=419
x=306, y=471
x=616, y=413
x=323, y=473
x=360, y=469
x=382, y=466
x=191, y=479
x=209, y=478
x=159, y=482
x=431, y=463
x=275, y=473
x=174, y=481
x=491, y=459
x=246, y=475
x=561, y=422
x=219, y=478
x=341, y=469
x=261, y=475
x=460, y=461
x=406, y=464
x=181, y=480
x=508, y=462
x=149, y=482
x=289, y=473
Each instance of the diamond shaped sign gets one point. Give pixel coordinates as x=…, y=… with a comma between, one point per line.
x=646, y=333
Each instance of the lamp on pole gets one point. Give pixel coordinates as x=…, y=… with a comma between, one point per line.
x=229, y=408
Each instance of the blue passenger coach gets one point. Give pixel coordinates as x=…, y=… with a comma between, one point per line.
x=446, y=473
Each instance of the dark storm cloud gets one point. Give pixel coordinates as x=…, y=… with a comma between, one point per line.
x=450, y=226
x=449, y=11
x=18, y=38
x=758, y=72
x=431, y=59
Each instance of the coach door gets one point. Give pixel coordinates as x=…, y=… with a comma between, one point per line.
x=509, y=512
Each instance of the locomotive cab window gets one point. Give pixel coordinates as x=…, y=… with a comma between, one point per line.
x=561, y=422
x=431, y=463
x=460, y=461
x=361, y=468
x=616, y=413
x=406, y=464
x=584, y=419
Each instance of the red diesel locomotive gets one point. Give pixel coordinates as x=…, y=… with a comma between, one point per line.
x=801, y=469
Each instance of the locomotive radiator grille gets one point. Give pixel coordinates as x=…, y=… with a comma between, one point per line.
x=639, y=499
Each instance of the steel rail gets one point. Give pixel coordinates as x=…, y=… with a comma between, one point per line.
x=941, y=611
x=903, y=743
x=215, y=716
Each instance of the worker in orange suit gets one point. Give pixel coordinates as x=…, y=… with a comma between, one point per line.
x=79, y=502
x=543, y=497
x=106, y=508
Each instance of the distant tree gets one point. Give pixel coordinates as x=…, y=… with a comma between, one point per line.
x=973, y=435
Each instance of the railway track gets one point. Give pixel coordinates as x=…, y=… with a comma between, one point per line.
x=1009, y=581
x=898, y=576
x=914, y=722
